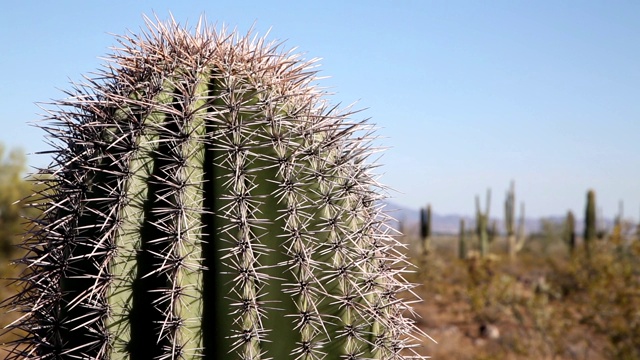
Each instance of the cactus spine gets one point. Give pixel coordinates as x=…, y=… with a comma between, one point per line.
x=515, y=236
x=590, y=226
x=425, y=229
x=207, y=203
x=482, y=224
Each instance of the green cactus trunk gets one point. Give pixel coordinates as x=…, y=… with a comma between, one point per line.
x=462, y=241
x=483, y=236
x=515, y=236
x=590, y=226
x=570, y=232
x=425, y=229
x=482, y=225
x=207, y=203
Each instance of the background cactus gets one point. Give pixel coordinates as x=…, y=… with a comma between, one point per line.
x=206, y=202
x=462, y=241
x=425, y=229
x=482, y=224
x=570, y=232
x=515, y=236
x=590, y=226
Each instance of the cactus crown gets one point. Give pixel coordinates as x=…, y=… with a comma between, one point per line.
x=206, y=202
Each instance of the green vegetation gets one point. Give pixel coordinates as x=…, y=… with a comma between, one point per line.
x=557, y=301
x=14, y=222
x=12, y=188
x=548, y=305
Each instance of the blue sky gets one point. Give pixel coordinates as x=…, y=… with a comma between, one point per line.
x=467, y=95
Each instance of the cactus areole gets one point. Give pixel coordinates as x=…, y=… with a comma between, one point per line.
x=206, y=203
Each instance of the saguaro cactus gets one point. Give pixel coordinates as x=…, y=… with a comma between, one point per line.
x=482, y=224
x=206, y=202
x=515, y=236
x=590, y=227
x=462, y=241
x=570, y=232
x=425, y=229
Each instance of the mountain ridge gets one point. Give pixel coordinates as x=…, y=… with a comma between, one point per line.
x=450, y=223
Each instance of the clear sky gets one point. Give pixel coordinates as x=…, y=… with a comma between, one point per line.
x=467, y=94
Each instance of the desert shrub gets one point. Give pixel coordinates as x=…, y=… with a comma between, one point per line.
x=606, y=289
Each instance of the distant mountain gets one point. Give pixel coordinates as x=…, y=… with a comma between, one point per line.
x=450, y=223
